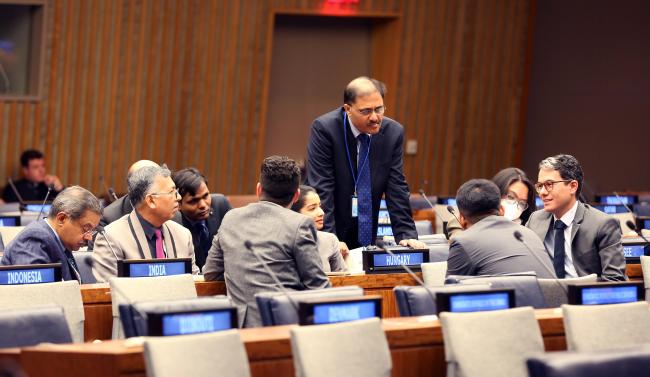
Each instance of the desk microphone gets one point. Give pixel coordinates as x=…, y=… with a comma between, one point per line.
x=451, y=210
x=520, y=238
x=249, y=245
x=100, y=229
x=424, y=196
x=620, y=200
x=15, y=190
x=636, y=229
x=408, y=270
x=50, y=187
x=109, y=190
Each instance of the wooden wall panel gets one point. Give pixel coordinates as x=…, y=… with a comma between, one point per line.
x=183, y=82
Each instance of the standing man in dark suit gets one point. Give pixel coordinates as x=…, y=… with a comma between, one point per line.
x=488, y=246
x=35, y=183
x=355, y=158
x=200, y=211
x=580, y=239
x=71, y=223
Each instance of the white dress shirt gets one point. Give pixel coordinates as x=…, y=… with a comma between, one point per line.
x=549, y=240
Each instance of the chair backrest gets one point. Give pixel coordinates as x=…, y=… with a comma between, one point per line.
x=438, y=252
x=490, y=344
x=631, y=362
x=423, y=227
x=65, y=294
x=357, y=348
x=645, y=268
x=555, y=294
x=527, y=290
x=202, y=355
x=276, y=309
x=28, y=327
x=415, y=301
x=600, y=327
x=9, y=233
x=84, y=262
x=146, y=289
x=433, y=273
x=623, y=218
x=134, y=316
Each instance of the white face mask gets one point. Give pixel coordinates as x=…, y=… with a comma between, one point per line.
x=511, y=210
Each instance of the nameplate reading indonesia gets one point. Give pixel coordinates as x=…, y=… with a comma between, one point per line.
x=30, y=274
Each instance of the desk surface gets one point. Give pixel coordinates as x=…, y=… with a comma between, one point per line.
x=416, y=345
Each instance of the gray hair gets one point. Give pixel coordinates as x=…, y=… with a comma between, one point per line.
x=362, y=86
x=75, y=201
x=141, y=180
x=568, y=167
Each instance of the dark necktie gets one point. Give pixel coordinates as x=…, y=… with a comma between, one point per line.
x=203, y=232
x=74, y=269
x=559, y=252
x=364, y=192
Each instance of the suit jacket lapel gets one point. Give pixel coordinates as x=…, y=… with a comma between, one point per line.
x=169, y=242
x=577, y=220
x=140, y=238
x=544, y=226
x=212, y=218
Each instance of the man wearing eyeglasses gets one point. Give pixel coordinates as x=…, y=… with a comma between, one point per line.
x=71, y=223
x=355, y=158
x=580, y=239
x=148, y=232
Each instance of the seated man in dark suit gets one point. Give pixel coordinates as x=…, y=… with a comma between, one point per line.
x=580, y=239
x=122, y=206
x=284, y=239
x=35, y=183
x=200, y=211
x=488, y=245
x=70, y=224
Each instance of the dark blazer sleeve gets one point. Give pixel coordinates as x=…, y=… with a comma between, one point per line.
x=220, y=206
x=32, y=249
x=458, y=262
x=320, y=171
x=397, y=196
x=610, y=250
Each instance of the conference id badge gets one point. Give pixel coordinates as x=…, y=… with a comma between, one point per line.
x=355, y=207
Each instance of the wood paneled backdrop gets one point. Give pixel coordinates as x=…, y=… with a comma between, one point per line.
x=185, y=81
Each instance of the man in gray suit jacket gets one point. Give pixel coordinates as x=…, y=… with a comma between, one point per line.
x=488, y=245
x=70, y=224
x=147, y=232
x=283, y=239
x=580, y=239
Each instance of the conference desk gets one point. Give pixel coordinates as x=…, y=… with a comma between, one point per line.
x=99, y=316
x=416, y=346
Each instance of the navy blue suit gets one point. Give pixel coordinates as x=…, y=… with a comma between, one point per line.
x=328, y=171
x=37, y=244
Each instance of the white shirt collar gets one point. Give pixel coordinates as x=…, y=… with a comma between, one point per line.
x=55, y=233
x=568, y=217
x=355, y=130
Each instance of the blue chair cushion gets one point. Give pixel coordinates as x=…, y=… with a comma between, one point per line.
x=28, y=327
x=626, y=362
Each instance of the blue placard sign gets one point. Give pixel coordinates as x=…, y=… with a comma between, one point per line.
x=613, y=199
x=28, y=276
x=343, y=312
x=479, y=302
x=37, y=207
x=633, y=251
x=156, y=269
x=609, y=295
x=9, y=221
x=194, y=323
x=387, y=260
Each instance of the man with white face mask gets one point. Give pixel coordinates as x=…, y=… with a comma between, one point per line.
x=487, y=245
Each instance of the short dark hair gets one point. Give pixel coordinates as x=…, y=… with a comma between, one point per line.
x=28, y=155
x=188, y=181
x=506, y=177
x=304, y=191
x=280, y=178
x=568, y=167
x=478, y=198
x=353, y=90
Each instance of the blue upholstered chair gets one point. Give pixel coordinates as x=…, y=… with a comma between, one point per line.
x=28, y=327
x=629, y=362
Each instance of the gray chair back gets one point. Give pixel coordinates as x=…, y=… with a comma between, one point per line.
x=555, y=291
x=416, y=301
x=28, y=327
x=84, y=261
x=276, y=309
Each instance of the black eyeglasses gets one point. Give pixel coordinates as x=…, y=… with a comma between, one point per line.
x=548, y=185
x=379, y=110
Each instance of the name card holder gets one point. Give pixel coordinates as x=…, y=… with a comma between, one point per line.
x=191, y=321
x=30, y=274
x=475, y=301
x=10, y=220
x=634, y=249
x=335, y=310
x=377, y=260
x=613, y=199
x=606, y=293
x=153, y=267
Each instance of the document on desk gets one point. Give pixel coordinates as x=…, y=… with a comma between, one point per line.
x=354, y=260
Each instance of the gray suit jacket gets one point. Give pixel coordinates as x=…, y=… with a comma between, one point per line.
x=37, y=244
x=330, y=254
x=595, y=241
x=490, y=248
x=284, y=239
x=129, y=242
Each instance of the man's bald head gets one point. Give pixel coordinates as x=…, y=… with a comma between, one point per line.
x=139, y=165
x=361, y=87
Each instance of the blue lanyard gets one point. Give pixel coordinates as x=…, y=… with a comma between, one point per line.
x=347, y=151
